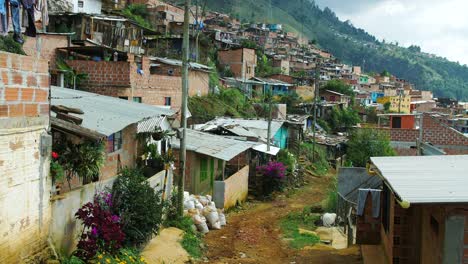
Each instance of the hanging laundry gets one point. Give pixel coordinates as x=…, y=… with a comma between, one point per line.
x=362, y=197
x=3, y=18
x=29, y=6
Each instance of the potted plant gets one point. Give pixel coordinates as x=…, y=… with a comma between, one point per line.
x=154, y=160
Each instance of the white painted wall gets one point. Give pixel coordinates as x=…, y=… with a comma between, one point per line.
x=89, y=6
x=24, y=193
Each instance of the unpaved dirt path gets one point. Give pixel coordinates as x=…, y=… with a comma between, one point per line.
x=255, y=233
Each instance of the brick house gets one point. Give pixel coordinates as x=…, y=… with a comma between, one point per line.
x=98, y=123
x=149, y=80
x=241, y=61
x=422, y=218
x=79, y=117
x=334, y=97
x=218, y=166
x=403, y=131
x=25, y=149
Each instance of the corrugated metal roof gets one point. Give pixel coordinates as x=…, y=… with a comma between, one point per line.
x=193, y=65
x=426, y=179
x=214, y=146
x=105, y=114
x=270, y=81
x=257, y=127
x=350, y=180
x=150, y=125
x=263, y=148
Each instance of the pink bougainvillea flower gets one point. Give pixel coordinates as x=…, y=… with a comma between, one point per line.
x=94, y=231
x=115, y=218
x=55, y=155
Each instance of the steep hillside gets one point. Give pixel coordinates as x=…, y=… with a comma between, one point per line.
x=353, y=45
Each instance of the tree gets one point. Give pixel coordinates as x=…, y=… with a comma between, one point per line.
x=339, y=86
x=385, y=73
x=343, y=119
x=366, y=143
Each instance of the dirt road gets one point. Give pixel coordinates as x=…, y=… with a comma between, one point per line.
x=253, y=234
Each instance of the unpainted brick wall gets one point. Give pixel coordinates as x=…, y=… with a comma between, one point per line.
x=435, y=131
x=24, y=86
x=24, y=183
x=120, y=79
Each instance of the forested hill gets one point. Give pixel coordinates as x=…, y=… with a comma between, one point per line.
x=353, y=45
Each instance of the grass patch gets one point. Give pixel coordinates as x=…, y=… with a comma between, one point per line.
x=331, y=200
x=191, y=240
x=9, y=45
x=290, y=227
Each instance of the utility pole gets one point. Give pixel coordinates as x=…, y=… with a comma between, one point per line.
x=185, y=84
x=316, y=94
x=270, y=97
x=420, y=140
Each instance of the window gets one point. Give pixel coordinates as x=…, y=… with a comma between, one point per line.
x=249, y=70
x=396, y=122
x=114, y=142
x=80, y=4
x=137, y=99
x=167, y=101
x=123, y=97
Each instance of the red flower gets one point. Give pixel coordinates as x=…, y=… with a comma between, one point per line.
x=55, y=155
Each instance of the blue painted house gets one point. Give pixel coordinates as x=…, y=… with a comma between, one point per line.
x=264, y=85
x=376, y=95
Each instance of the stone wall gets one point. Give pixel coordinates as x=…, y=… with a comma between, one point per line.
x=24, y=158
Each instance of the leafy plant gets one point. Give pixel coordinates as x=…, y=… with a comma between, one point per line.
x=138, y=13
x=83, y=160
x=124, y=255
x=366, y=143
x=138, y=204
x=9, y=45
x=73, y=78
x=56, y=170
x=101, y=229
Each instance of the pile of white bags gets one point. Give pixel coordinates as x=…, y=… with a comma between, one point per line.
x=204, y=213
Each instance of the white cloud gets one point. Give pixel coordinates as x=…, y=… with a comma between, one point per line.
x=439, y=27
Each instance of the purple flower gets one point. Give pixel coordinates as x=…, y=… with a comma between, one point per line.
x=273, y=169
x=115, y=218
x=94, y=231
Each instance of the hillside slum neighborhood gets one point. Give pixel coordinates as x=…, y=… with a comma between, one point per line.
x=92, y=136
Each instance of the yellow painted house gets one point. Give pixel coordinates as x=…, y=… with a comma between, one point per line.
x=397, y=104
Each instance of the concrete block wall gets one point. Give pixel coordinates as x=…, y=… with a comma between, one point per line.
x=236, y=188
x=24, y=159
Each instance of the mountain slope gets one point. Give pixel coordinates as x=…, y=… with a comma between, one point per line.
x=353, y=45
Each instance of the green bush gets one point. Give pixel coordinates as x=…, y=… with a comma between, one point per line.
x=139, y=206
x=9, y=45
x=366, y=143
x=320, y=166
x=332, y=197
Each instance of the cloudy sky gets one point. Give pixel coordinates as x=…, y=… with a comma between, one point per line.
x=437, y=26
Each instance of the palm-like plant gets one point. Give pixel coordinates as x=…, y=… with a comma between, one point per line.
x=72, y=77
